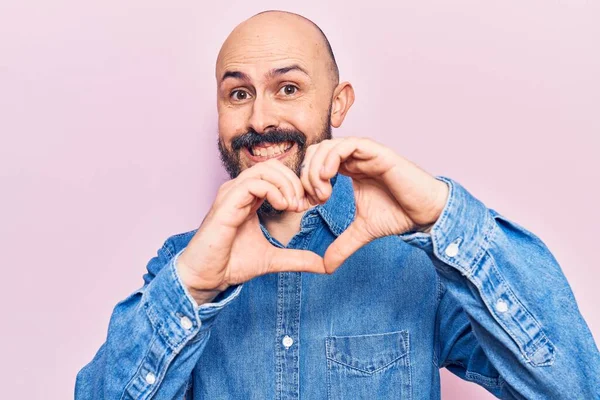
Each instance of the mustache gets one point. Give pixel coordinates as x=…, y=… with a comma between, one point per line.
x=253, y=138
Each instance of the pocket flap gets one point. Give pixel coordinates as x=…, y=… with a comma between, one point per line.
x=367, y=353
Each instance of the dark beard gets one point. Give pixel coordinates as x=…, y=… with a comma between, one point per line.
x=231, y=158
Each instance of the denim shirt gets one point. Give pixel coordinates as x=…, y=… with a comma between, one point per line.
x=478, y=294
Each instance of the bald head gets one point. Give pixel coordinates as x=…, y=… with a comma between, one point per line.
x=333, y=64
x=281, y=29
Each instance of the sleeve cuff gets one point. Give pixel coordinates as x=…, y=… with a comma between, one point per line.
x=172, y=310
x=460, y=235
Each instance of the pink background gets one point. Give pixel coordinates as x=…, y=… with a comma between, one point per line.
x=108, y=123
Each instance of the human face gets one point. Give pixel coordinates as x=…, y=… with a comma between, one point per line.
x=274, y=94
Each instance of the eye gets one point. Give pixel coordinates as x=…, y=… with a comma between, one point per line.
x=239, y=95
x=289, y=90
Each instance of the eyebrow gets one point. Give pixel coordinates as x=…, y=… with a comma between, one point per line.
x=272, y=73
x=235, y=74
x=285, y=70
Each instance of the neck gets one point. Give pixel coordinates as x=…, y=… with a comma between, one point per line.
x=283, y=227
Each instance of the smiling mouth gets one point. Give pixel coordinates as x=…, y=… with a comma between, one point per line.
x=269, y=150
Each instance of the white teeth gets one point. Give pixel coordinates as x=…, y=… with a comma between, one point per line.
x=272, y=150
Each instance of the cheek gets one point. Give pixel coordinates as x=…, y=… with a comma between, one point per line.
x=308, y=119
x=230, y=125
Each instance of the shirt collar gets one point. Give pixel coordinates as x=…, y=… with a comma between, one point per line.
x=338, y=212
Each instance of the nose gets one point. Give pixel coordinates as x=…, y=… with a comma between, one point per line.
x=263, y=115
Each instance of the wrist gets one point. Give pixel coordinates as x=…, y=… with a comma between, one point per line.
x=200, y=294
x=203, y=296
x=441, y=200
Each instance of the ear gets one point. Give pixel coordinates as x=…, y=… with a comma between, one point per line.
x=343, y=98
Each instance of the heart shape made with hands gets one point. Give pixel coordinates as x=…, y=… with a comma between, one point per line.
x=391, y=194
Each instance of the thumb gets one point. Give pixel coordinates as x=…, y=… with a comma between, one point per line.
x=343, y=247
x=288, y=260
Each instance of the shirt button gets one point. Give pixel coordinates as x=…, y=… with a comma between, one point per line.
x=287, y=341
x=501, y=306
x=452, y=249
x=150, y=378
x=186, y=323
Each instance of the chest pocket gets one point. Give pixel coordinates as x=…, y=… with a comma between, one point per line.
x=373, y=366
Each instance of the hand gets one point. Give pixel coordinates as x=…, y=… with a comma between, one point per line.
x=229, y=247
x=392, y=194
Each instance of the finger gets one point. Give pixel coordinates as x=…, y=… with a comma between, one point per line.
x=242, y=199
x=276, y=175
x=295, y=181
x=248, y=191
x=340, y=153
x=322, y=187
x=308, y=189
x=288, y=260
x=343, y=247
x=225, y=188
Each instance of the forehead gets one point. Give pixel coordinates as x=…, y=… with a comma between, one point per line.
x=261, y=44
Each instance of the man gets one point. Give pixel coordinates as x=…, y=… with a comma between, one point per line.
x=335, y=268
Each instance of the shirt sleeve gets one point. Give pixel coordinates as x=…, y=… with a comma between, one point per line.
x=507, y=319
x=155, y=338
